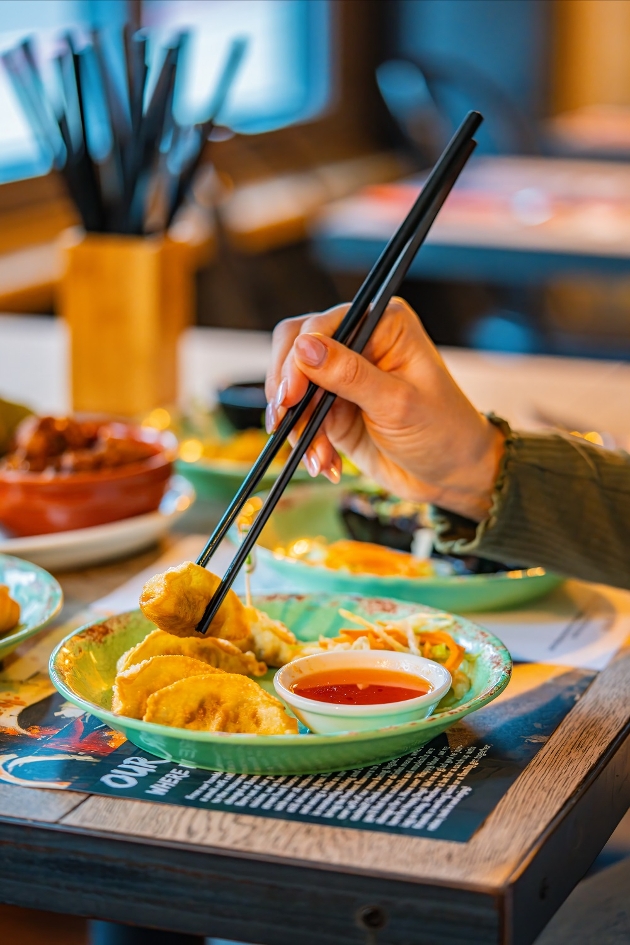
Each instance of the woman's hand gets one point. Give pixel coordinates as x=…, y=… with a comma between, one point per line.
x=399, y=415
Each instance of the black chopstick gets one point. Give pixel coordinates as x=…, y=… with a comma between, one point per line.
x=151, y=131
x=137, y=77
x=128, y=167
x=86, y=168
x=118, y=122
x=190, y=166
x=431, y=190
x=449, y=168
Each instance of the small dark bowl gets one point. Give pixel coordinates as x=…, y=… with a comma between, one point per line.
x=244, y=404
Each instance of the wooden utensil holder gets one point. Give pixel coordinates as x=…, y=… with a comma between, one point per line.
x=126, y=300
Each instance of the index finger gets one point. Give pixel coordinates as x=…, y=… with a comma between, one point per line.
x=285, y=333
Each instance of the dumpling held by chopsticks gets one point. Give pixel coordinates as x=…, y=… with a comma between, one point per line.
x=176, y=599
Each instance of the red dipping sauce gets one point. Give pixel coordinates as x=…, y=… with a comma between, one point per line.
x=361, y=686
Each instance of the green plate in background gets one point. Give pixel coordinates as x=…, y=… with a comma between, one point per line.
x=221, y=478
x=217, y=478
x=38, y=594
x=314, y=512
x=83, y=668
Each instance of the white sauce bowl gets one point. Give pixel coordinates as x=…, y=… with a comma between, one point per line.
x=323, y=718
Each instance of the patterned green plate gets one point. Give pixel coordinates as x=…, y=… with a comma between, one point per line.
x=313, y=512
x=83, y=667
x=38, y=594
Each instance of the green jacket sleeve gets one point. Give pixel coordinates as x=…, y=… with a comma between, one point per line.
x=559, y=502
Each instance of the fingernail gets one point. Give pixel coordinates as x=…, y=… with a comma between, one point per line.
x=281, y=393
x=312, y=463
x=271, y=417
x=310, y=349
x=334, y=474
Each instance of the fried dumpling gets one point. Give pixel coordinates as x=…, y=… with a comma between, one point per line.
x=176, y=599
x=9, y=610
x=133, y=687
x=273, y=642
x=211, y=650
x=222, y=702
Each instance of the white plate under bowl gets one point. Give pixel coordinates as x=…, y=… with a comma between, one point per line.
x=85, y=547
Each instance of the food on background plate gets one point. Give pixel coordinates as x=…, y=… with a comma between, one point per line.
x=67, y=473
x=242, y=447
x=363, y=557
x=389, y=537
x=133, y=686
x=220, y=703
x=222, y=654
x=9, y=610
x=69, y=445
x=357, y=557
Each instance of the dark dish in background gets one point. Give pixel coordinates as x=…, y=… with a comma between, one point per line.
x=244, y=404
x=371, y=514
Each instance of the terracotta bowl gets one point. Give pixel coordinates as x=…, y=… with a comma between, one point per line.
x=40, y=503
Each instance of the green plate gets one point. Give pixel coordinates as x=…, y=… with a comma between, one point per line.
x=313, y=513
x=38, y=594
x=221, y=479
x=83, y=668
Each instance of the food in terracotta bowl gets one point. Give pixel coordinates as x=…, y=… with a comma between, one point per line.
x=64, y=473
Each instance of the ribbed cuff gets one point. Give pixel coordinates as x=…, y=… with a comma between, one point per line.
x=461, y=536
x=559, y=502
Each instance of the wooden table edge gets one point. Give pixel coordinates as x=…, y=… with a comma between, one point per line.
x=195, y=890
x=541, y=797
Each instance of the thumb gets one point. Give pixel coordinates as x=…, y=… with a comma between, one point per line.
x=343, y=372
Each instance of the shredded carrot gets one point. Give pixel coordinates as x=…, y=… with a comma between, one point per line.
x=386, y=636
x=433, y=638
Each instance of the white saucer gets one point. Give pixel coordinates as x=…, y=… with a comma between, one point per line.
x=89, y=546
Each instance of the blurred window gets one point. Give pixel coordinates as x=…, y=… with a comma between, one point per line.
x=285, y=76
x=44, y=20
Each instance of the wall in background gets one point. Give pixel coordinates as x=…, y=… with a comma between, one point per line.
x=592, y=53
x=508, y=42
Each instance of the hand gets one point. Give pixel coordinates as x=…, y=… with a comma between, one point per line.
x=399, y=415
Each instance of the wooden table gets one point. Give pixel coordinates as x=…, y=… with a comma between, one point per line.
x=273, y=881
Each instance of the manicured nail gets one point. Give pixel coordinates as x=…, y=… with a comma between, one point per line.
x=310, y=349
x=312, y=463
x=281, y=393
x=271, y=417
x=334, y=474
